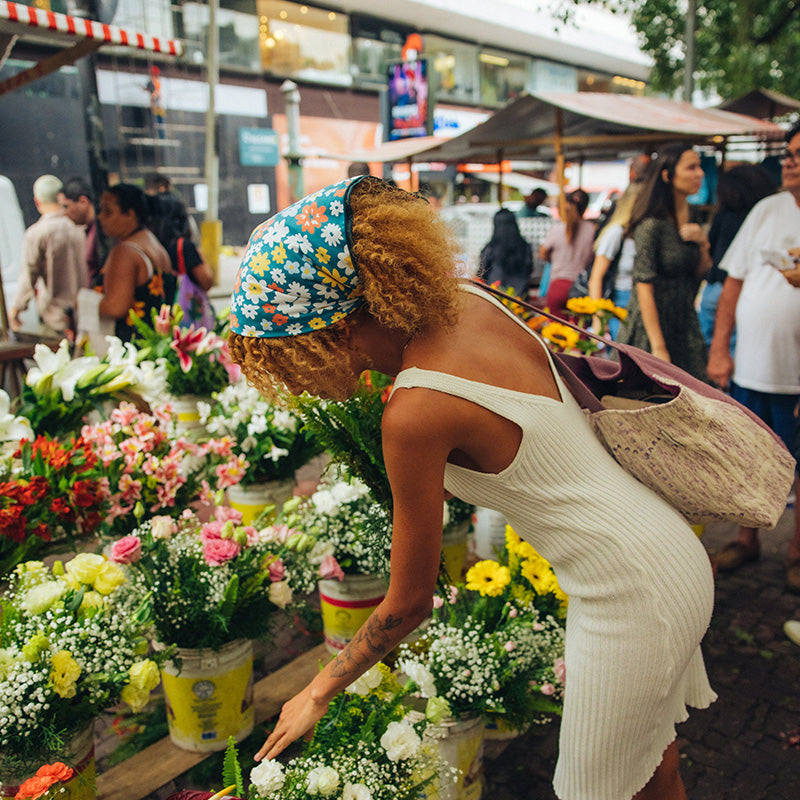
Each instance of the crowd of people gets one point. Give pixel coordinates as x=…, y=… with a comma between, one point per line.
x=134, y=246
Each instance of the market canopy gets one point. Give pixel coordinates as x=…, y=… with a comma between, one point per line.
x=76, y=36
x=584, y=125
x=762, y=103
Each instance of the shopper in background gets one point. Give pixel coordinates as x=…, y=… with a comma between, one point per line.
x=507, y=258
x=672, y=255
x=738, y=190
x=53, y=263
x=77, y=200
x=568, y=248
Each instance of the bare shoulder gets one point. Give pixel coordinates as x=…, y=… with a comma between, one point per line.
x=417, y=418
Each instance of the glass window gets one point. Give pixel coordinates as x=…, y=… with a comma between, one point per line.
x=238, y=33
x=304, y=42
x=153, y=17
x=375, y=45
x=454, y=69
x=504, y=76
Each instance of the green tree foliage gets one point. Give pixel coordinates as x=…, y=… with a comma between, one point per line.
x=740, y=44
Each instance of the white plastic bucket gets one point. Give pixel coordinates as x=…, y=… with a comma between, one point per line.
x=211, y=697
x=460, y=744
x=346, y=604
x=187, y=417
x=77, y=754
x=489, y=533
x=252, y=500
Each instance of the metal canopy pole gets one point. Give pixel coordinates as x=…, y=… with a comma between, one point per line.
x=211, y=227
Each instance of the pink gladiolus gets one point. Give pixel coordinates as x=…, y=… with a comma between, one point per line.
x=127, y=550
x=276, y=571
x=218, y=551
x=163, y=321
x=329, y=568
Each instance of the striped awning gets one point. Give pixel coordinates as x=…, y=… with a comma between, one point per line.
x=76, y=36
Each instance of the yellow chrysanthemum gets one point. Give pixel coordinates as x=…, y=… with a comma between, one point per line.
x=560, y=335
x=488, y=578
x=64, y=674
x=582, y=305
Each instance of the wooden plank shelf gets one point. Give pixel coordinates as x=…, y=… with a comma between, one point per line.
x=155, y=766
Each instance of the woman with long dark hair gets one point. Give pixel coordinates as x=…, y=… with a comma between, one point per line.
x=507, y=257
x=137, y=275
x=672, y=255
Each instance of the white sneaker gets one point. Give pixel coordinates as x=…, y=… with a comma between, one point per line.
x=792, y=629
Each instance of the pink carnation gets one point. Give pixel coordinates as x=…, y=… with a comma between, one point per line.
x=329, y=568
x=211, y=531
x=126, y=550
x=548, y=688
x=217, y=551
x=224, y=513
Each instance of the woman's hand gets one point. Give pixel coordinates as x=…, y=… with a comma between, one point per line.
x=298, y=716
x=692, y=232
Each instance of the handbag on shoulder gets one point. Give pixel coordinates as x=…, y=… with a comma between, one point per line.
x=708, y=456
x=191, y=298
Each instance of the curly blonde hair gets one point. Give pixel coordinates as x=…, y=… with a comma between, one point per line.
x=404, y=256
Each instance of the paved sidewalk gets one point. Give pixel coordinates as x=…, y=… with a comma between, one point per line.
x=739, y=748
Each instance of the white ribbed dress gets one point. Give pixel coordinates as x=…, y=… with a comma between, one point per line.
x=639, y=583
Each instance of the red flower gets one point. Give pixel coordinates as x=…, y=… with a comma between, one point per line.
x=61, y=507
x=45, y=777
x=12, y=523
x=85, y=493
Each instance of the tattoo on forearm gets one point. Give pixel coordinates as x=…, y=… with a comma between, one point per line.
x=373, y=637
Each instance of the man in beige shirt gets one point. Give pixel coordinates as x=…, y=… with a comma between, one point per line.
x=53, y=262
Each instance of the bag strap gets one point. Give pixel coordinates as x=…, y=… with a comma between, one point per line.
x=181, y=260
x=541, y=312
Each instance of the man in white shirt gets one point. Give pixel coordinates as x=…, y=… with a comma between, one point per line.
x=764, y=308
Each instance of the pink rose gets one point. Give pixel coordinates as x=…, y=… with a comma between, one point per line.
x=548, y=688
x=276, y=571
x=126, y=550
x=217, y=551
x=329, y=568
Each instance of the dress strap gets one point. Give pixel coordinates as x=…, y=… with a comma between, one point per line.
x=147, y=262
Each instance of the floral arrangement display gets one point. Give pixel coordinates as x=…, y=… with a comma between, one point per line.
x=60, y=390
x=339, y=530
x=71, y=645
x=52, y=492
x=269, y=439
x=368, y=746
x=196, y=361
x=495, y=644
x=12, y=427
x=148, y=472
x=206, y=584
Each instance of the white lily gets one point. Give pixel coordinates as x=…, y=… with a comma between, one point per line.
x=57, y=370
x=12, y=428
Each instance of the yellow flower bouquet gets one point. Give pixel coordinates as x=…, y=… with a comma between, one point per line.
x=495, y=645
x=71, y=645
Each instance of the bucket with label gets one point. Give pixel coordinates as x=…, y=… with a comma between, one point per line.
x=209, y=695
x=460, y=745
x=254, y=499
x=454, y=550
x=186, y=413
x=346, y=604
x=78, y=754
x=488, y=534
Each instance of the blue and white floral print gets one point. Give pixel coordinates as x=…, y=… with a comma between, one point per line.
x=297, y=274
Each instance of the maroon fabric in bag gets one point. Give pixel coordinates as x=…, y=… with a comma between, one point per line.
x=707, y=455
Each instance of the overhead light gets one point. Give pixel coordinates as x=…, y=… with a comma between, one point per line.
x=331, y=16
x=498, y=61
x=304, y=9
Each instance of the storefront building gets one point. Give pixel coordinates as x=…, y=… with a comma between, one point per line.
x=478, y=56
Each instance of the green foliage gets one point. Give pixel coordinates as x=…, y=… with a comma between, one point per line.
x=739, y=44
x=350, y=431
x=231, y=771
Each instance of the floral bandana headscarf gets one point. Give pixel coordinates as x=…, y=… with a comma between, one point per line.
x=297, y=274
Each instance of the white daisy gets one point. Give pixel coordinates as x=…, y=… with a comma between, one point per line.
x=250, y=330
x=336, y=207
x=331, y=234
x=328, y=292
x=298, y=243
x=294, y=329
x=249, y=311
x=255, y=290
x=278, y=275
x=275, y=232
x=344, y=262
x=308, y=272
x=291, y=267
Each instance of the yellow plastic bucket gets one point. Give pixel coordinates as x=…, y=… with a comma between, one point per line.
x=346, y=604
x=454, y=550
x=79, y=755
x=252, y=500
x=460, y=744
x=210, y=697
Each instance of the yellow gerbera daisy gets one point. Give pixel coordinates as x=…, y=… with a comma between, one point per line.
x=512, y=539
x=605, y=304
x=488, y=578
x=621, y=313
